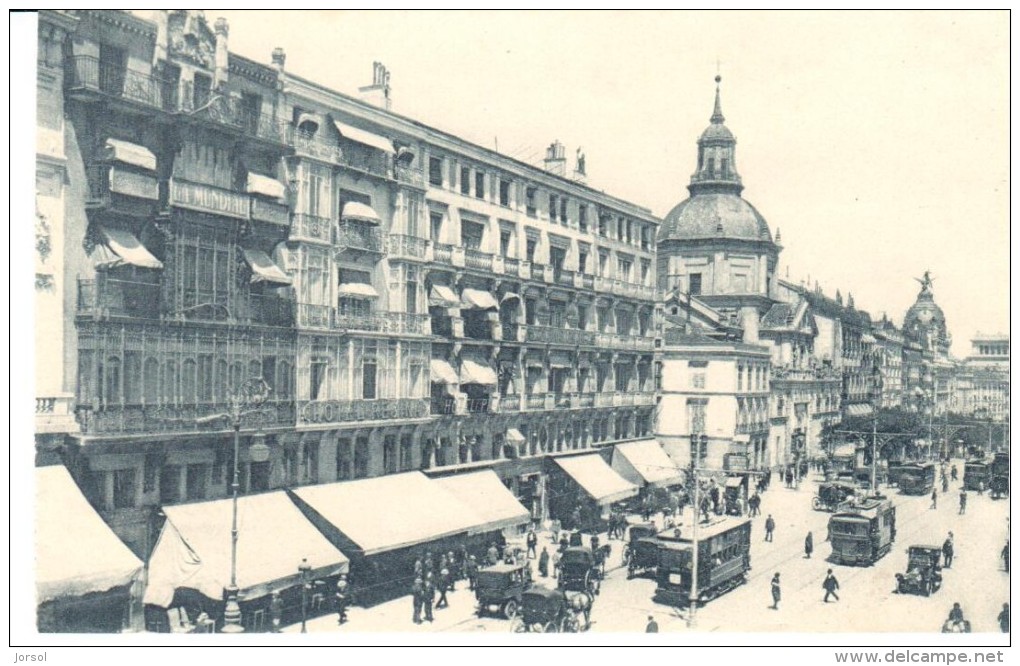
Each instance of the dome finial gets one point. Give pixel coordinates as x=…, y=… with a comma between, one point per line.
x=717, y=116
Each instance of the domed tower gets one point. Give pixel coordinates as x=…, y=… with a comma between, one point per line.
x=714, y=244
x=925, y=323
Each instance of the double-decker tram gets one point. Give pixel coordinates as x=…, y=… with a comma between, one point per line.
x=861, y=534
x=724, y=558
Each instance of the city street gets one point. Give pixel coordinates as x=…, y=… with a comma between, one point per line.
x=867, y=601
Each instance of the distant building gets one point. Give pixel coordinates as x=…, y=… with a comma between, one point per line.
x=982, y=380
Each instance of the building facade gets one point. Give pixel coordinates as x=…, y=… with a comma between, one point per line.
x=982, y=379
x=413, y=301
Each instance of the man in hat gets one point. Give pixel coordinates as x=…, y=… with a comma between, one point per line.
x=428, y=596
x=472, y=572
x=947, y=551
x=830, y=585
x=276, y=611
x=417, y=598
x=652, y=627
x=342, y=599
x=770, y=526
x=776, y=592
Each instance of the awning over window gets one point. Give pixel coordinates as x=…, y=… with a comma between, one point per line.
x=308, y=122
x=534, y=361
x=76, y=551
x=734, y=482
x=472, y=372
x=130, y=153
x=510, y=296
x=263, y=269
x=868, y=338
x=273, y=537
x=514, y=436
x=355, y=210
x=387, y=512
x=121, y=248
x=479, y=300
x=488, y=497
x=442, y=296
x=598, y=479
x=266, y=186
x=357, y=290
x=442, y=372
x=364, y=137
x=645, y=462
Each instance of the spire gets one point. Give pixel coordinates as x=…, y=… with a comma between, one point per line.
x=717, y=116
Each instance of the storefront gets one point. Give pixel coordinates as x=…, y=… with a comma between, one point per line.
x=582, y=487
x=645, y=464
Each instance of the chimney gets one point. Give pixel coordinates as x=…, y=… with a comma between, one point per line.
x=279, y=58
x=378, y=94
x=580, y=174
x=222, y=54
x=556, y=159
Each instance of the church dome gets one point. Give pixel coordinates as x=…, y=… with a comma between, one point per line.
x=714, y=215
x=924, y=321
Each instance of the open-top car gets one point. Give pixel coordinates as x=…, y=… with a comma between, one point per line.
x=499, y=588
x=831, y=494
x=924, y=571
x=547, y=611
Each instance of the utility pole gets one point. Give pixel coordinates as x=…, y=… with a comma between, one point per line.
x=700, y=440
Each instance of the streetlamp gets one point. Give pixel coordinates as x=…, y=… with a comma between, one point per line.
x=305, y=569
x=700, y=443
x=876, y=401
x=246, y=399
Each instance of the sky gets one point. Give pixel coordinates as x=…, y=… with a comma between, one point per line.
x=877, y=142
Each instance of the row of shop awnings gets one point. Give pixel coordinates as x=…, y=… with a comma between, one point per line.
x=76, y=551
x=471, y=372
x=443, y=296
x=635, y=465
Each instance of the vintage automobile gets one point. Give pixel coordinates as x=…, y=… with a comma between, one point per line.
x=579, y=571
x=498, y=589
x=924, y=571
x=831, y=495
x=642, y=550
x=547, y=611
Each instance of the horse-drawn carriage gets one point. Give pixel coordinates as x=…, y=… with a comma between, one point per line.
x=831, y=494
x=581, y=570
x=548, y=611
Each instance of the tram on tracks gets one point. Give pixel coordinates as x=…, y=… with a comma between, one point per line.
x=724, y=558
x=862, y=533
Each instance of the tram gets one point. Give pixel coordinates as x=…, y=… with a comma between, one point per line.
x=917, y=479
x=861, y=534
x=977, y=475
x=1000, y=475
x=724, y=558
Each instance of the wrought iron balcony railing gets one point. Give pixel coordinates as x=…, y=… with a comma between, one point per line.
x=346, y=411
x=271, y=310
x=311, y=227
x=477, y=259
x=401, y=245
x=173, y=416
x=535, y=401
x=88, y=73
x=510, y=403
x=314, y=316
x=384, y=322
x=103, y=297
x=308, y=144
x=359, y=237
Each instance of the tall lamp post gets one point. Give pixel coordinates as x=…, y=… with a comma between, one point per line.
x=305, y=569
x=876, y=402
x=700, y=442
x=245, y=400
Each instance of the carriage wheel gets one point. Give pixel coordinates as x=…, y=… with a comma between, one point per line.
x=510, y=609
x=587, y=581
x=518, y=626
x=549, y=627
x=568, y=625
x=816, y=504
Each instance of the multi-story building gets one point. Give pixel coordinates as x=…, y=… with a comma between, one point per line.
x=888, y=357
x=414, y=301
x=982, y=380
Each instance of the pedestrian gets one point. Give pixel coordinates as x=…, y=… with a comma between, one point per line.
x=532, y=544
x=543, y=563
x=934, y=499
x=963, y=501
x=444, y=587
x=653, y=627
x=342, y=598
x=830, y=585
x=947, y=551
x=443, y=564
x=464, y=559
x=776, y=592
x=809, y=545
x=493, y=554
x=770, y=526
x=428, y=596
x=1004, y=619
x=451, y=564
x=556, y=563
x=564, y=542
x=953, y=473
x=428, y=563
x=945, y=484
x=276, y=611
x=418, y=598
x=418, y=568
x=472, y=572
x=594, y=543
x=1005, y=556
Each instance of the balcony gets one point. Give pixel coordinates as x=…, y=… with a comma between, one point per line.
x=346, y=411
x=604, y=399
x=314, y=316
x=311, y=228
x=401, y=246
x=232, y=114
x=535, y=402
x=585, y=400
x=563, y=277
x=313, y=146
x=558, y=335
x=621, y=399
x=478, y=405
x=442, y=253
x=374, y=162
x=271, y=310
x=106, y=297
x=359, y=237
x=563, y=400
x=443, y=406
x=55, y=414
x=537, y=272
x=511, y=266
x=397, y=323
x=477, y=259
x=87, y=75
x=110, y=419
x=410, y=175
x=587, y=281
x=510, y=403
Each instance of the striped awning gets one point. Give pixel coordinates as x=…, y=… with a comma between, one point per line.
x=263, y=269
x=357, y=290
x=121, y=248
x=472, y=372
x=443, y=297
x=479, y=299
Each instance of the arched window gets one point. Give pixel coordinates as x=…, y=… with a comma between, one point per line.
x=150, y=379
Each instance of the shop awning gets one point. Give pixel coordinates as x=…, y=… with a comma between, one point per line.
x=266, y=186
x=76, y=551
x=388, y=512
x=598, y=479
x=472, y=372
x=121, y=248
x=734, y=482
x=442, y=296
x=364, y=137
x=514, y=436
x=355, y=210
x=357, y=290
x=645, y=462
x=263, y=269
x=868, y=338
x=859, y=410
x=509, y=296
x=488, y=497
x=479, y=300
x=442, y=372
x=273, y=536
x=130, y=153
